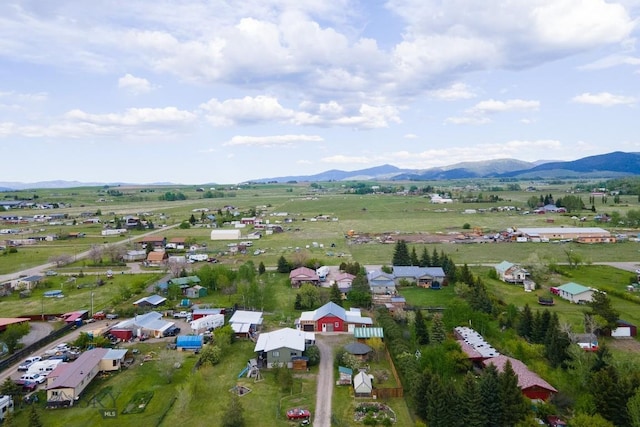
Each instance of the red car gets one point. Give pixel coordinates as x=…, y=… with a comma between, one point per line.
x=555, y=421
x=298, y=414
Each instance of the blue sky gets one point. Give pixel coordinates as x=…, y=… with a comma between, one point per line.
x=195, y=92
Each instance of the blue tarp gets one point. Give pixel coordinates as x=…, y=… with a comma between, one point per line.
x=189, y=342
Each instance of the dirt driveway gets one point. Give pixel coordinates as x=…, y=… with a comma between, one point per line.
x=326, y=343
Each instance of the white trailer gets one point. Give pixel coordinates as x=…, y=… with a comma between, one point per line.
x=44, y=367
x=206, y=323
x=198, y=257
x=6, y=405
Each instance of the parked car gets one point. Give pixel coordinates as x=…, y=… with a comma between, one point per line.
x=24, y=366
x=36, y=378
x=99, y=315
x=27, y=386
x=60, y=348
x=111, y=316
x=555, y=421
x=171, y=332
x=298, y=414
x=50, y=273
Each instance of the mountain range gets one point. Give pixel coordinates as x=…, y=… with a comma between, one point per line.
x=608, y=165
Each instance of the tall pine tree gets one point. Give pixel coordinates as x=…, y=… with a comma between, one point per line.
x=490, y=391
x=414, y=257
x=514, y=407
x=335, y=296
x=471, y=412
x=401, y=255
x=422, y=332
x=425, y=259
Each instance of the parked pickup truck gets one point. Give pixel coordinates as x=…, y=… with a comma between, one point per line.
x=181, y=314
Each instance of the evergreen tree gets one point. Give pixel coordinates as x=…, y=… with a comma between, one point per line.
x=414, y=257
x=557, y=343
x=422, y=332
x=8, y=419
x=335, y=295
x=633, y=407
x=283, y=265
x=490, y=392
x=479, y=299
x=233, y=416
x=514, y=407
x=401, y=255
x=471, y=413
x=425, y=259
x=601, y=306
x=192, y=220
x=360, y=294
x=603, y=357
x=438, y=330
x=465, y=275
x=34, y=417
x=298, y=302
x=419, y=393
x=437, y=414
x=525, y=325
x=610, y=396
x=261, y=268
x=449, y=268
x=435, y=259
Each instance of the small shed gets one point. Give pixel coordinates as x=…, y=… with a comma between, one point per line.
x=189, y=342
x=362, y=386
x=196, y=291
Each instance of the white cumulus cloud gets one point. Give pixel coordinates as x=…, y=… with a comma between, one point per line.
x=134, y=85
x=604, y=99
x=271, y=141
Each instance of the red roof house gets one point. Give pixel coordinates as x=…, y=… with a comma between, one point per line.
x=303, y=275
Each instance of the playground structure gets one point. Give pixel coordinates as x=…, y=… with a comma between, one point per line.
x=251, y=371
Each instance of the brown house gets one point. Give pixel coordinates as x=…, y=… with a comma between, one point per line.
x=303, y=275
x=157, y=257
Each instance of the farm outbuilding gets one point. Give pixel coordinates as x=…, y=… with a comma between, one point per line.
x=225, y=234
x=189, y=342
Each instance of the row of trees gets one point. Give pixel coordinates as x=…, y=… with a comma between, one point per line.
x=403, y=257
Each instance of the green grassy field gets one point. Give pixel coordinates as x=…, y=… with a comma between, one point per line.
x=201, y=397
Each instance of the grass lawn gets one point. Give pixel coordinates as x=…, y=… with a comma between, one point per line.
x=344, y=405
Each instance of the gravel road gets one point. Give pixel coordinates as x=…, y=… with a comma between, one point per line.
x=325, y=383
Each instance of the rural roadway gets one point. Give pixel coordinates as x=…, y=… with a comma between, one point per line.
x=325, y=383
x=41, y=268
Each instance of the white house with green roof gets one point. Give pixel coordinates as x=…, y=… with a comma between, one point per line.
x=576, y=293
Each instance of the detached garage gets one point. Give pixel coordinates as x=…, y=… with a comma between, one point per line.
x=624, y=330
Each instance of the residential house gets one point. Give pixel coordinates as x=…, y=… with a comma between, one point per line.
x=381, y=283
x=6, y=321
x=587, y=342
x=303, y=275
x=177, y=243
x=531, y=385
x=149, y=324
x=282, y=347
x=575, y=293
x=332, y=318
x=157, y=258
x=511, y=273
x=68, y=380
x=246, y=323
x=424, y=277
x=156, y=242
x=344, y=282
x=29, y=283
x=362, y=385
